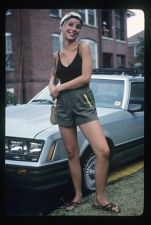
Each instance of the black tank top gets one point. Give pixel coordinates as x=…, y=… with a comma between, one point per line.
x=67, y=73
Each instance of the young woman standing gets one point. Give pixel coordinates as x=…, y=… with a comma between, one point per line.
x=76, y=107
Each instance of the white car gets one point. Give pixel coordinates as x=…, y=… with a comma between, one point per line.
x=35, y=155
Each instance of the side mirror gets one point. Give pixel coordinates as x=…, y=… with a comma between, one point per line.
x=135, y=107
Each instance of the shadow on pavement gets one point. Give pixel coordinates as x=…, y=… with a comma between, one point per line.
x=19, y=202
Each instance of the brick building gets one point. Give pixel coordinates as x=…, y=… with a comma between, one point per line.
x=32, y=35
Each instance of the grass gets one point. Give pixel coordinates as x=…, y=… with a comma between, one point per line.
x=128, y=193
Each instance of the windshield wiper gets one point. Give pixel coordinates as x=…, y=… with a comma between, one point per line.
x=43, y=101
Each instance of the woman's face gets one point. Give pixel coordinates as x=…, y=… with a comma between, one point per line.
x=71, y=29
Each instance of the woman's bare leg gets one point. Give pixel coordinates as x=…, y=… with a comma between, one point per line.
x=69, y=136
x=94, y=134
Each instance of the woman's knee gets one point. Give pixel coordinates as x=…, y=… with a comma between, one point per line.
x=72, y=152
x=106, y=152
x=103, y=152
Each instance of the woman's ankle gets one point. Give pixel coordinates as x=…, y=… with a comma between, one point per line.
x=101, y=200
x=77, y=198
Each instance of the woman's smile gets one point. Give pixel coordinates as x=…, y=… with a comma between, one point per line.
x=72, y=34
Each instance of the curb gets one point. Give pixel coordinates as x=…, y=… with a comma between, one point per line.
x=125, y=171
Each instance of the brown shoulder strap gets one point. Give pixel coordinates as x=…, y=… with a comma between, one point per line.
x=58, y=55
x=56, y=59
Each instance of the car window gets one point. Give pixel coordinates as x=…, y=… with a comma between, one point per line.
x=108, y=93
x=137, y=92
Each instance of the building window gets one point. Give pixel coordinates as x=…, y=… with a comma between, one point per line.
x=55, y=12
x=120, y=61
x=135, y=50
x=119, y=24
x=88, y=16
x=55, y=42
x=138, y=49
x=94, y=50
x=8, y=52
x=107, y=60
x=106, y=21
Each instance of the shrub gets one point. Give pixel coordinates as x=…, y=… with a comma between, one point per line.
x=10, y=98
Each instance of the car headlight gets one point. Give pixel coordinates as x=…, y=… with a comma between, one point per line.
x=23, y=149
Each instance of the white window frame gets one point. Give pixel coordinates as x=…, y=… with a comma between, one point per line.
x=54, y=36
x=8, y=12
x=11, y=90
x=86, y=16
x=8, y=50
x=94, y=50
x=135, y=50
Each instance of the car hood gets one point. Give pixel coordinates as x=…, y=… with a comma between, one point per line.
x=29, y=120
x=106, y=111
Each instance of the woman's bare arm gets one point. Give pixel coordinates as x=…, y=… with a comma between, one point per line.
x=52, y=83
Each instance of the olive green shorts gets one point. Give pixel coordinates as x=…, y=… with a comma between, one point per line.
x=76, y=107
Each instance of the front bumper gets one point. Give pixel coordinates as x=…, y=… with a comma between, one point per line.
x=41, y=178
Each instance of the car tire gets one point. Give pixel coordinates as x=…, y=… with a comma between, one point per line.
x=88, y=173
x=88, y=170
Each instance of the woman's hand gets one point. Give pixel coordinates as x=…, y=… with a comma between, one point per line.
x=54, y=92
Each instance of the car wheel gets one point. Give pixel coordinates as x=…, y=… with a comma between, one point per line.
x=88, y=173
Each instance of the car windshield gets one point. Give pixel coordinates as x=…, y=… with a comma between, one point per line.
x=108, y=93
x=42, y=98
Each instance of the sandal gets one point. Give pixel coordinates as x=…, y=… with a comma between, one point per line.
x=110, y=207
x=72, y=205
